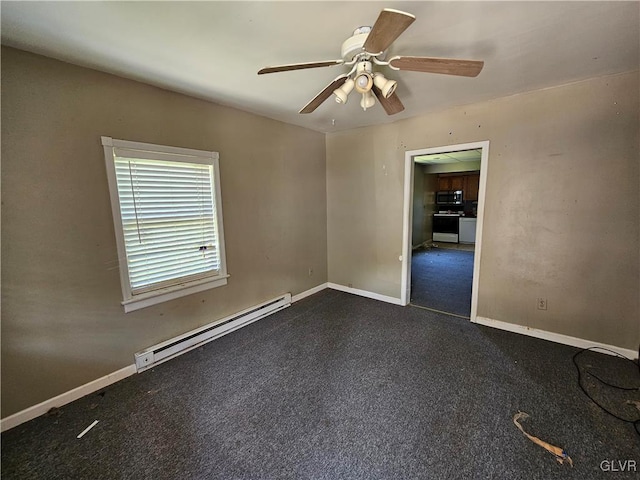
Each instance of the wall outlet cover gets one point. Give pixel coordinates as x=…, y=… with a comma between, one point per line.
x=542, y=303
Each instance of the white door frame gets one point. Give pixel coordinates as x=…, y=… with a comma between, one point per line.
x=405, y=293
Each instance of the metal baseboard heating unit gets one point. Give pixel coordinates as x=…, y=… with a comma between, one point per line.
x=164, y=351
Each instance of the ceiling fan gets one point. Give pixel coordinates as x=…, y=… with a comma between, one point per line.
x=365, y=48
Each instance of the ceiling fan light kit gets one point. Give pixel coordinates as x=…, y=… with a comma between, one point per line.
x=364, y=78
x=367, y=46
x=387, y=87
x=343, y=92
x=367, y=101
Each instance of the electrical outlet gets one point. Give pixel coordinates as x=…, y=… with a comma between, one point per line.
x=542, y=303
x=310, y=271
x=350, y=285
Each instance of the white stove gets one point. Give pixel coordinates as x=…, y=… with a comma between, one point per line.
x=445, y=226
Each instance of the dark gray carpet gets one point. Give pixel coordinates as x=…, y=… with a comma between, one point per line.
x=441, y=279
x=337, y=387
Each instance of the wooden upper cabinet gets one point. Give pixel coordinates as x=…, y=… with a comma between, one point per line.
x=472, y=183
x=451, y=182
x=457, y=183
x=444, y=184
x=468, y=183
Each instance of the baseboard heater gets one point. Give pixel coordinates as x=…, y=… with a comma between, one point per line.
x=169, y=349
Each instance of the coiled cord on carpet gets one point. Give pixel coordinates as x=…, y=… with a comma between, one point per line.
x=636, y=422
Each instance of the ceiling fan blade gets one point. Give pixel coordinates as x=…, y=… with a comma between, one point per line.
x=447, y=66
x=324, y=94
x=299, y=66
x=391, y=105
x=389, y=25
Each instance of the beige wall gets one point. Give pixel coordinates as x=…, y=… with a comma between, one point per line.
x=431, y=207
x=418, y=204
x=62, y=323
x=561, y=212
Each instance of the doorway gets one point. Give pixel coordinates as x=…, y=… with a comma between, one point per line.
x=450, y=256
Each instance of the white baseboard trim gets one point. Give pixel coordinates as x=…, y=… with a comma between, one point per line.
x=64, y=398
x=554, y=337
x=309, y=292
x=95, y=385
x=365, y=293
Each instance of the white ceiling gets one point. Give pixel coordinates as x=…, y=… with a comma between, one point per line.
x=212, y=50
x=474, y=155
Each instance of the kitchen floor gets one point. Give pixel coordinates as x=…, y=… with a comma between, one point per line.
x=441, y=280
x=467, y=247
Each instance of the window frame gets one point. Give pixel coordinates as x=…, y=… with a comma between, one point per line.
x=180, y=288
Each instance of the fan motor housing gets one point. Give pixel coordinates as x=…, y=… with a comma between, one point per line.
x=353, y=46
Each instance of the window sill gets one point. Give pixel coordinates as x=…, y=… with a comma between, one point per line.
x=163, y=295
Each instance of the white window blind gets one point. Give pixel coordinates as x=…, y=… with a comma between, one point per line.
x=168, y=220
x=170, y=230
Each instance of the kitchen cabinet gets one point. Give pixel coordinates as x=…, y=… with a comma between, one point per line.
x=471, y=185
x=451, y=182
x=457, y=183
x=444, y=184
x=468, y=183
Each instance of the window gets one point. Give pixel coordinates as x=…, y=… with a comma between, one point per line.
x=168, y=220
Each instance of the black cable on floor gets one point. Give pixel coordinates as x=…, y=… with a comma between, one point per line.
x=636, y=423
x=630, y=389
